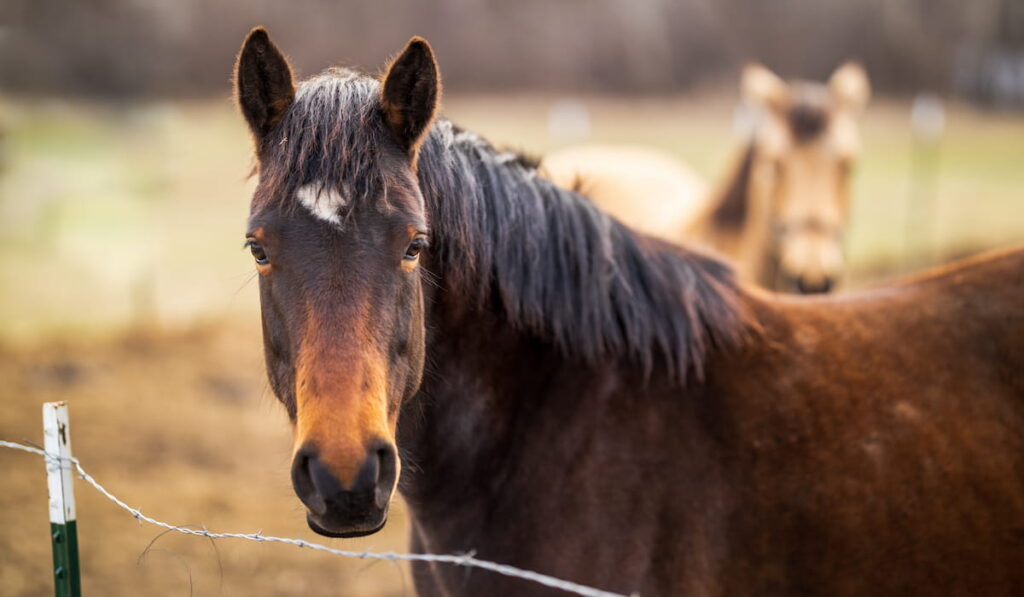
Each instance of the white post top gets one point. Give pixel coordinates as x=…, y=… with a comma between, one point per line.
x=59, y=477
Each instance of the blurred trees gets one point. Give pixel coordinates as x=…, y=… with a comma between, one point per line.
x=154, y=47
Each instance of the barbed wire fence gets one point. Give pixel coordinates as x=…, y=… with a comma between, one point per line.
x=466, y=560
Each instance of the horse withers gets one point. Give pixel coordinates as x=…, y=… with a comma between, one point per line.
x=554, y=391
x=782, y=212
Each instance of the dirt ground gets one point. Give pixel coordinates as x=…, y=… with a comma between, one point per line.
x=181, y=425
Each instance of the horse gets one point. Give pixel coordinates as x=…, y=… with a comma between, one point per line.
x=615, y=175
x=551, y=390
x=782, y=212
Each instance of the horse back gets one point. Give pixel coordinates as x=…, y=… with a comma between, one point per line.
x=876, y=439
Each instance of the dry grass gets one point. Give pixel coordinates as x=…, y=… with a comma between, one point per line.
x=179, y=424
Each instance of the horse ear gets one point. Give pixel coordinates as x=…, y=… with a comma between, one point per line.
x=764, y=88
x=410, y=94
x=263, y=83
x=850, y=85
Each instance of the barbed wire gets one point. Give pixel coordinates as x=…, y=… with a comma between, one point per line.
x=468, y=560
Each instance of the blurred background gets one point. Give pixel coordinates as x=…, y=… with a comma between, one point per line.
x=124, y=287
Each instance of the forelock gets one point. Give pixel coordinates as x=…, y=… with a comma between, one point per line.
x=333, y=137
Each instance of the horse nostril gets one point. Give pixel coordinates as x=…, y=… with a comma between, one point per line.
x=387, y=468
x=323, y=493
x=302, y=480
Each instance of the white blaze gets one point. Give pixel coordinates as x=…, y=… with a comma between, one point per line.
x=322, y=202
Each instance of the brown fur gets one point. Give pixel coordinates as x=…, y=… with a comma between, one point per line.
x=263, y=83
x=583, y=401
x=864, y=444
x=412, y=75
x=341, y=411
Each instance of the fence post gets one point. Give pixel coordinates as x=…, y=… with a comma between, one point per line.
x=59, y=480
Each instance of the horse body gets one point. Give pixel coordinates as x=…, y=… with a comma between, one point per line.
x=567, y=396
x=879, y=434
x=825, y=456
x=674, y=201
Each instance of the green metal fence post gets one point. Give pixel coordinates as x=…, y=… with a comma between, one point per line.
x=59, y=480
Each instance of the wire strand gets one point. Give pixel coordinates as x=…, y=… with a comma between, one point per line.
x=468, y=560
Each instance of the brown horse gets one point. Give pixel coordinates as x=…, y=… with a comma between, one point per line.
x=572, y=397
x=782, y=212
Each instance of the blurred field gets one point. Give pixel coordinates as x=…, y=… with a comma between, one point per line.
x=111, y=214
x=124, y=289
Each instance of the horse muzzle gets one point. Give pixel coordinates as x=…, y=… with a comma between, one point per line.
x=818, y=285
x=339, y=509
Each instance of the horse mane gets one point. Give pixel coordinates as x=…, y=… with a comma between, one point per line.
x=731, y=212
x=504, y=237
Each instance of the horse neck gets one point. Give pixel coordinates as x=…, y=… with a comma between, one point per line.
x=544, y=308
x=486, y=388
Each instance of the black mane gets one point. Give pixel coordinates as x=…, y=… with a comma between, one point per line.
x=558, y=267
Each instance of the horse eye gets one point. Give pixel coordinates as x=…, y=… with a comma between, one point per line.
x=415, y=248
x=257, y=252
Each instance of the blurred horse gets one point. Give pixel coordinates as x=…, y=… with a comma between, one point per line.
x=781, y=214
x=572, y=397
x=675, y=197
